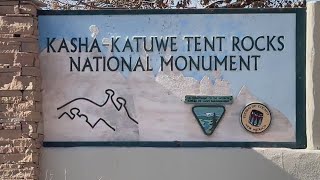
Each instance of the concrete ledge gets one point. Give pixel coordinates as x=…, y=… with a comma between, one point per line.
x=313, y=75
x=301, y=164
x=180, y=163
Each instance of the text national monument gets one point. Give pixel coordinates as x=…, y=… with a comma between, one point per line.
x=170, y=78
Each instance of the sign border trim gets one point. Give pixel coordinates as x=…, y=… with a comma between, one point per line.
x=301, y=139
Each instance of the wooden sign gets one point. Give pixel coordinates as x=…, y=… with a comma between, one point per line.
x=173, y=77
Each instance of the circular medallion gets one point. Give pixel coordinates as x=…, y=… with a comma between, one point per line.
x=256, y=117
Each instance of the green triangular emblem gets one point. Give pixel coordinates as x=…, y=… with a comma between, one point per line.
x=208, y=117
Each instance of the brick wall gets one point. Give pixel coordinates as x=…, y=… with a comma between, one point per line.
x=20, y=97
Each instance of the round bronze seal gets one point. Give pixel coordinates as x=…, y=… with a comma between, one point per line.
x=256, y=117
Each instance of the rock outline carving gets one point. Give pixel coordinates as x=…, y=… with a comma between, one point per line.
x=76, y=111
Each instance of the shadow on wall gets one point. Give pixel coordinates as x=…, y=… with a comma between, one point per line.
x=178, y=164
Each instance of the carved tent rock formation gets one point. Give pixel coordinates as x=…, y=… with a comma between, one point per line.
x=181, y=86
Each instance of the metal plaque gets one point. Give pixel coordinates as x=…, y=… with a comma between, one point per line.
x=208, y=99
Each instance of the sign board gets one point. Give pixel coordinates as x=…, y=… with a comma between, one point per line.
x=173, y=77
